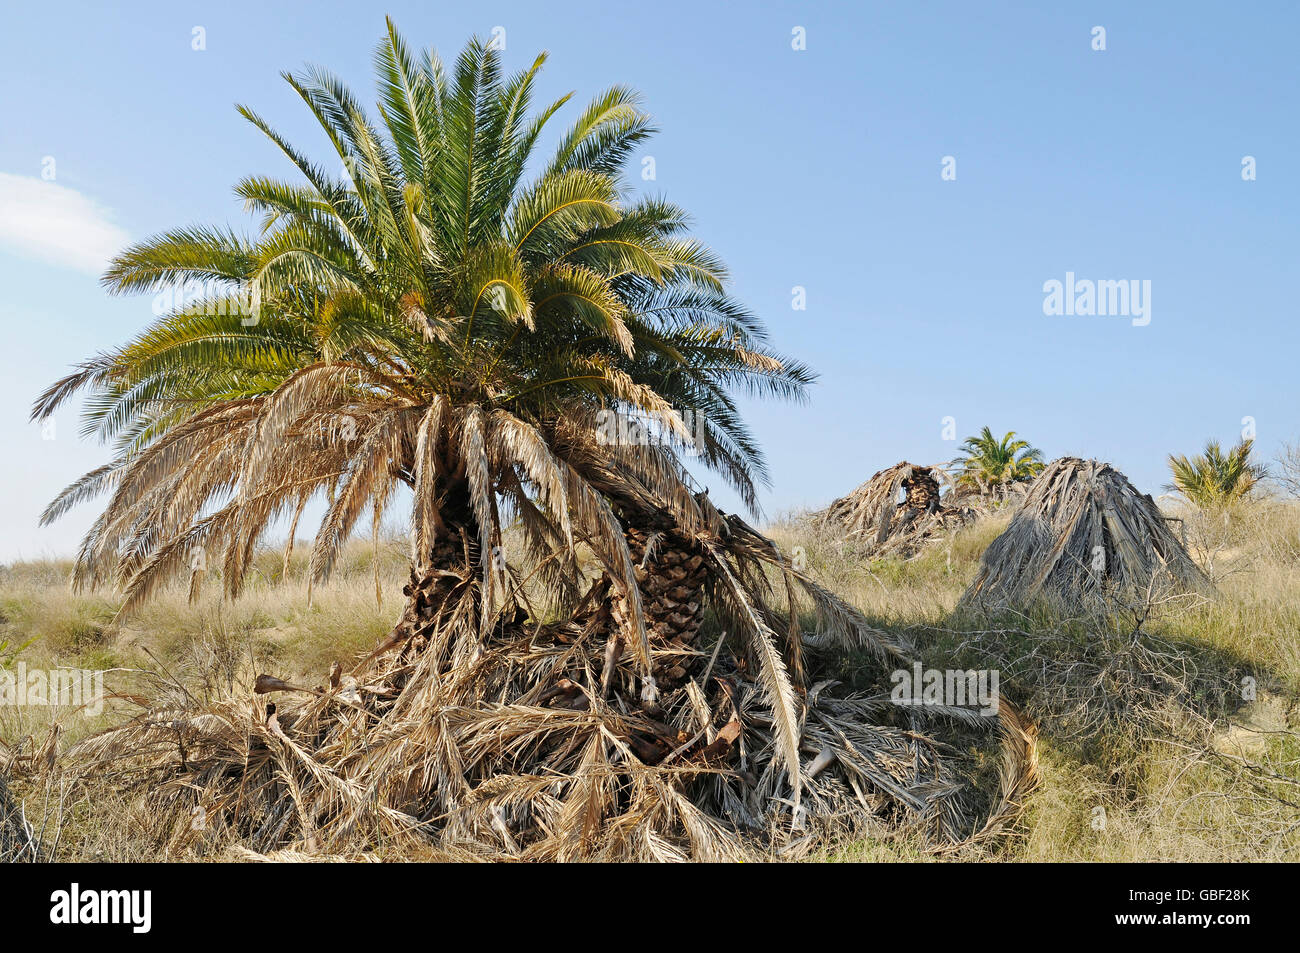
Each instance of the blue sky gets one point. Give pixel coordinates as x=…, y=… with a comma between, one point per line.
x=818, y=168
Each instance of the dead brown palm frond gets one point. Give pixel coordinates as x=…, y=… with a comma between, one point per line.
x=773, y=677
x=143, y=503
x=1018, y=775
x=897, y=512
x=311, y=389
x=424, y=502
x=838, y=623
x=507, y=747
x=516, y=442
x=85, y=487
x=369, y=479
x=1084, y=539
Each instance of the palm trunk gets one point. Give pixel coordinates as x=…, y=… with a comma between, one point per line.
x=671, y=575
x=670, y=571
x=450, y=563
x=922, y=490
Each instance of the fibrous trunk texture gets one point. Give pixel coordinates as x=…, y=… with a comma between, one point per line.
x=671, y=573
x=445, y=571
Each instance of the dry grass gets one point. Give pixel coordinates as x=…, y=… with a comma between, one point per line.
x=204, y=651
x=1182, y=769
x=452, y=747
x=1148, y=750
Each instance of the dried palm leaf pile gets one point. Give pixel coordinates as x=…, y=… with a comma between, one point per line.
x=510, y=738
x=875, y=517
x=1084, y=540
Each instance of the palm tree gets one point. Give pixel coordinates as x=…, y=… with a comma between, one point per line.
x=1214, y=479
x=438, y=322
x=990, y=464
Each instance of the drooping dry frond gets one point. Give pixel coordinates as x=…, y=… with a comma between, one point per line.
x=510, y=747
x=1084, y=539
x=897, y=511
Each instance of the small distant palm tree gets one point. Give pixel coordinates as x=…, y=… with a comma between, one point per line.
x=1215, y=479
x=992, y=465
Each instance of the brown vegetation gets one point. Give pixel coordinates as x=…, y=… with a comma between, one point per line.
x=874, y=518
x=1084, y=539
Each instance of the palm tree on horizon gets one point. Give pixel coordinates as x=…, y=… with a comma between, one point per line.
x=991, y=465
x=1214, y=479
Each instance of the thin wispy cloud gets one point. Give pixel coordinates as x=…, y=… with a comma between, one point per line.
x=51, y=223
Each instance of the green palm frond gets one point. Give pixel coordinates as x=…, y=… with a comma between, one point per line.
x=467, y=322
x=987, y=462
x=1214, y=478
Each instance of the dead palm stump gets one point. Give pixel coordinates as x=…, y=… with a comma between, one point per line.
x=1084, y=540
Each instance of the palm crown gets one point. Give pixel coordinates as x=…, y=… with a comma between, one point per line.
x=1215, y=478
x=988, y=462
x=436, y=320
